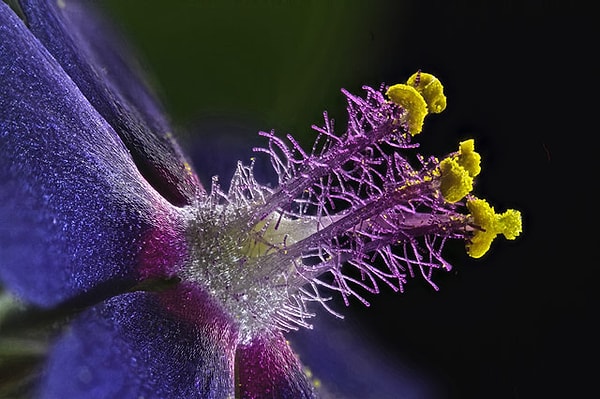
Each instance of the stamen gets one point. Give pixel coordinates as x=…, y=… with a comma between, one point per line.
x=353, y=213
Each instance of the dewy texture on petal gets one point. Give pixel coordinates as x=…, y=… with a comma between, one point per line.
x=172, y=344
x=75, y=213
x=99, y=65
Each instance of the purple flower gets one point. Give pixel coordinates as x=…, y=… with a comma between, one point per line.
x=98, y=205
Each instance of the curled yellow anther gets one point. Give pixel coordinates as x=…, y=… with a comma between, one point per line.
x=457, y=171
x=423, y=93
x=468, y=158
x=455, y=180
x=492, y=224
x=509, y=224
x=431, y=89
x=410, y=99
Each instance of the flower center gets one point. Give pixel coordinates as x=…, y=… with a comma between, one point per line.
x=247, y=269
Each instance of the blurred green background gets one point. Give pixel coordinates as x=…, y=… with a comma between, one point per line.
x=275, y=64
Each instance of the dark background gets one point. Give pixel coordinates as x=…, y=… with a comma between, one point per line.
x=514, y=324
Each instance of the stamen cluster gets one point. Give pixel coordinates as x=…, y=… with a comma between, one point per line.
x=360, y=209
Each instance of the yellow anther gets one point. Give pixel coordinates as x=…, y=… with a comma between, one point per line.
x=423, y=93
x=409, y=98
x=455, y=181
x=509, y=224
x=431, y=89
x=492, y=224
x=468, y=158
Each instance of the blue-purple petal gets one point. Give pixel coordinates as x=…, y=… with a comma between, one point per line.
x=266, y=368
x=228, y=141
x=134, y=346
x=100, y=65
x=76, y=216
x=350, y=365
